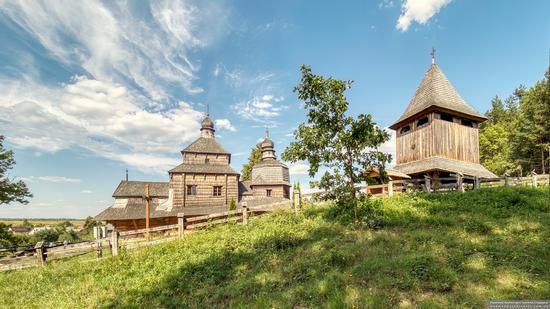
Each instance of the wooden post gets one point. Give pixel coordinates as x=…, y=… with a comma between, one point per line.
x=534, y=180
x=147, y=210
x=477, y=182
x=98, y=242
x=40, y=253
x=427, y=184
x=114, y=243
x=181, y=224
x=297, y=204
x=390, y=188
x=459, y=182
x=506, y=181
x=245, y=215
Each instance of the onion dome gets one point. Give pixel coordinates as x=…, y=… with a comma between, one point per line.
x=207, y=127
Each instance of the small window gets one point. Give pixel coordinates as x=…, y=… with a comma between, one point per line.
x=217, y=191
x=268, y=192
x=207, y=161
x=405, y=129
x=467, y=123
x=446, y=117
x=422, y=121
x=192, y=190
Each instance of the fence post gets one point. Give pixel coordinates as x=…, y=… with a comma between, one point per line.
x=40, y=253
x=297, y=205
x=477, y=182
x=534, y=180
x=390, y=188
x=506, y=181
x=181, y=224
x=459, y=182
x=427, y=184
x=98, y=241
x=245, y=215
x=114, y=243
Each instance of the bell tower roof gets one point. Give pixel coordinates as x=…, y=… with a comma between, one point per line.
x=436, y=92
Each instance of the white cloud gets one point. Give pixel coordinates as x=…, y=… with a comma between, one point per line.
x=86, y=191
x=100, y=117
x=113, y=43
x=389, y=146
x=419, y=11
x=59, y=179
x=259, y=108
x=225, y=124
x=299, y=169
x=386, y=4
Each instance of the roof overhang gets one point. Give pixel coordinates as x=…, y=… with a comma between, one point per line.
x=432, y=108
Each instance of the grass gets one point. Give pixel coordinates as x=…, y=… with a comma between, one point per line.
x=426, y=251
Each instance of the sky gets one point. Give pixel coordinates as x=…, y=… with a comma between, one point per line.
x=89, y=89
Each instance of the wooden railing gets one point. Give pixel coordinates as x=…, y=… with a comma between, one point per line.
x=41, y=253
x=458, y=183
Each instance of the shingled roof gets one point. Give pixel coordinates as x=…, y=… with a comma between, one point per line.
x=435, y=90
x=444, y=164
x=204, y=169
x=137, y=188
x=136, y=210
x=205, y=145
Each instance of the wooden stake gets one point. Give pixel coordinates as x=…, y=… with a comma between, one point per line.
x=147, y=210
x=181, y=224
x=41, y=257
x=245, y=215
x=390, y=188
x=114, y=243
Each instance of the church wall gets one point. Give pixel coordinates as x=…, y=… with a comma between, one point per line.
x=199, y=158
x=205, y=184
x=276, y=191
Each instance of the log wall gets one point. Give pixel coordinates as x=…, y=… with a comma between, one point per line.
x=199, y=158
x=205, y=189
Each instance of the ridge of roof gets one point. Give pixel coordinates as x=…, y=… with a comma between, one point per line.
x=205, y=145
x=435, y=90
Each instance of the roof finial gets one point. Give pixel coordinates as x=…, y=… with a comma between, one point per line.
x=207, y=110
x=266, y=132
x=433, y=55
x=126, y=174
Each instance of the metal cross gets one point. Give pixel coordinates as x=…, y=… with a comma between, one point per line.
x=433, y=55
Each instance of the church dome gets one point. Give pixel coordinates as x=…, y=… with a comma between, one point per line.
x=267, y=143
x=207, y=123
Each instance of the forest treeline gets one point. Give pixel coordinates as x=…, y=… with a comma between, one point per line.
x=515, y=140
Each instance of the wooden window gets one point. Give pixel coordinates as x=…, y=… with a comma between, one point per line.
x=467, y=123
x=192, y=190
x=405, y=129
x=446, y=117
x=268, y=192
x=217, y=191
x=422, y=122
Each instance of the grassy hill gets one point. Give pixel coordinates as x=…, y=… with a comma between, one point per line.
x=453, y=250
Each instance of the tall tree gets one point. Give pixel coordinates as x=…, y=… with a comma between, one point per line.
x=346, y=146
x=254, y=158
x=10, y=191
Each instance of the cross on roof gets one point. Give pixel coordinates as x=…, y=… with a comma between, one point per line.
x=433, y=55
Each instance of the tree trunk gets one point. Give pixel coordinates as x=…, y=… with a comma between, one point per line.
x=353, y=193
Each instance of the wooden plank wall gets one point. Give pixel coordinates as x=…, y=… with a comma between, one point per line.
x=439, y=138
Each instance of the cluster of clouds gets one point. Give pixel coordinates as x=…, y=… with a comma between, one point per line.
x=419, y=11
x=260, y=108
x=121, y=105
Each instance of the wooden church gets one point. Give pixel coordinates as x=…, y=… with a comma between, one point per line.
x=438, y=134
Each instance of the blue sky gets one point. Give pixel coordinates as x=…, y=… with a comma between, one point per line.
x=88, y=89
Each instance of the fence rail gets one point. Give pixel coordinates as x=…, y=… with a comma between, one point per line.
x=42, y=253
x=458, y=183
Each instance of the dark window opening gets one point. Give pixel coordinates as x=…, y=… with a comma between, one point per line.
x=446, y=117
x=405, y=129
x=467, y=123
x=422, y=121
x=217, y=191
x=206, y=161
x=268, y=192
x=192, y=190
x=286, y=192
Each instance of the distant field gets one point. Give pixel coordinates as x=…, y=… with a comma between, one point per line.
x=41, y=222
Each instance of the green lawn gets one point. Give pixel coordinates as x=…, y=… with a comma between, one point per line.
x=429, y=251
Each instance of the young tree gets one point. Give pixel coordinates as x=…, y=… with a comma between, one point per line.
x=254, y=158
x=346, y=146
x=10, y=191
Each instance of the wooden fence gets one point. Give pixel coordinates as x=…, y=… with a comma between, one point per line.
x=41, y=253
x=458, y=183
